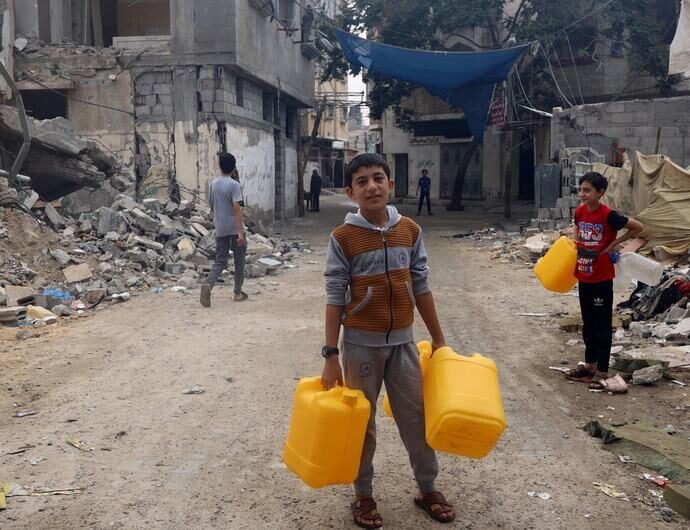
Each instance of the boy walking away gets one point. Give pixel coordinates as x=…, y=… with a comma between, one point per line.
x=596, y=227
x=376, y=272
x=315, y=191
x=225, y=196
x=424, y=185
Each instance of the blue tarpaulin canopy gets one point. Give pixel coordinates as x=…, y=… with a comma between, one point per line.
x=462, y=79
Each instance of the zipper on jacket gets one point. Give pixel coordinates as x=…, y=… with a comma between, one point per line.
x=390, y=288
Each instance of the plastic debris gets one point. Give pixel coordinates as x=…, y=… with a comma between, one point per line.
x=79, y=444
x=196, y=389
x=542, y=496
x=25, y=413
x=659, y=480
x=611, y=491
x=626, y=459
x=178, y=289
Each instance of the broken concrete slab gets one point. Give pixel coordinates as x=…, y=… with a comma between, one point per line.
x=30, y=200
x=201, y=229
x=124, y=202
x=93, y=296
x=109, y=220
x=270, y=262
x=674, y=356
x=54, y=218
x=77, y=273
x=186, y=248
x=62, y=257
x=14, y=293
x=649, y=375
x=144, y=221
x=148, y=243
x=648, y=446
x=152, y=204
x=11, y=315
x=167, y=227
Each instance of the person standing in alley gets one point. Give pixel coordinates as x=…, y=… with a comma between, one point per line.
x=596, y=237
x=224, y=198
x=424, y=186
x=376, y=274
x=315, y=190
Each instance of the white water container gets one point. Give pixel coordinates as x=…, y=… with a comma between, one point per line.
x=640, y=268
x=621, y=282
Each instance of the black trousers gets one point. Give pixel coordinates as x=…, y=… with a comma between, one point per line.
x=315, y=203
x=596, y=305
x=424, y=195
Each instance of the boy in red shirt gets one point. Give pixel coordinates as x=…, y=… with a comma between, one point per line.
x=596, y=228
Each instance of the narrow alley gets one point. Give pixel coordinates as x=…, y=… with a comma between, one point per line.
x=158, y=458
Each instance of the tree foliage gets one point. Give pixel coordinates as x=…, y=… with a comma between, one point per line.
x=632, y=27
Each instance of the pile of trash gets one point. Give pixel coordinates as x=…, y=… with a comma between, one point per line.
x=662, y=312
x=106, y=254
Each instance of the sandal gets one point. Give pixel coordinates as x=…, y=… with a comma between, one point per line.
x=241, y=297
x=598, y=382
x=364, y=513
x=436, y=506
x=581, y=374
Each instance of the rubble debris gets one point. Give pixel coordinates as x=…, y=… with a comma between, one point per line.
x=77, y=273
x=107, y=253
x=649, y=375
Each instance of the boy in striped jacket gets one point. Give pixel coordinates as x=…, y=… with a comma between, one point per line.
x=376, y=273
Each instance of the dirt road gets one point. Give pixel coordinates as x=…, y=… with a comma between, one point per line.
x=162, y=459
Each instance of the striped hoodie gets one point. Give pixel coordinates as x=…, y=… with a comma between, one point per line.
x=375, y=274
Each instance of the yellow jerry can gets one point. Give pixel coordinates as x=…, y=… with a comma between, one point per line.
x=424, y=348
x=462, y=404
x=326, y=436
x=556, y=270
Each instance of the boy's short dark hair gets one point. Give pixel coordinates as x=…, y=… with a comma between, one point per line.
x=227, y=162
x=425, y=171
x=597, y=180
x=365, y=160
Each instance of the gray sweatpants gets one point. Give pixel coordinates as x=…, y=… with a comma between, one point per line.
x=223, y=246
x=366, y=368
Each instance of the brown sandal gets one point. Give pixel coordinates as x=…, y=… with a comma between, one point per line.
x=364, y=513
x=436, y=506
x=580, y=374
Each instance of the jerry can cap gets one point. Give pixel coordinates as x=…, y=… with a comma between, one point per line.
x=350, y=397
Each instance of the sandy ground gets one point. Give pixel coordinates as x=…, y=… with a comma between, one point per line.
x=163, y=459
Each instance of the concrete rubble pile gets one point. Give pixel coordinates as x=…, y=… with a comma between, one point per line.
x=117, y=249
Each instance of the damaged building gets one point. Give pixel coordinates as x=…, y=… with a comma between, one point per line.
x=166, y=85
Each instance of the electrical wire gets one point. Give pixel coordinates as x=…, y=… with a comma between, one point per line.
x=577, y=76
x=66, y=96
x=560, y=65
x=553, y=75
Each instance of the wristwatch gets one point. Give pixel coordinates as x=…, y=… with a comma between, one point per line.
x=327, y=351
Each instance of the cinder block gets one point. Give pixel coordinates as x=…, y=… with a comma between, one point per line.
x=151, y=100
x=142, y=110
x=556, y=213
x=544, y=213
x=206, y=72
x=165, y=99
x=144, y=89
x=565, y=212
x=162, y=89
x=220, y=106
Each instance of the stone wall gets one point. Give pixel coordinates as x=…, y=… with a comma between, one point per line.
x=634, y=125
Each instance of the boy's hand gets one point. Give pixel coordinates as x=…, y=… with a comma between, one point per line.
x=332, y=373
x=436, y=344
x=241, y=241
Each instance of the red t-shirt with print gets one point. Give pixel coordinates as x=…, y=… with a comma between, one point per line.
x=595, y=232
